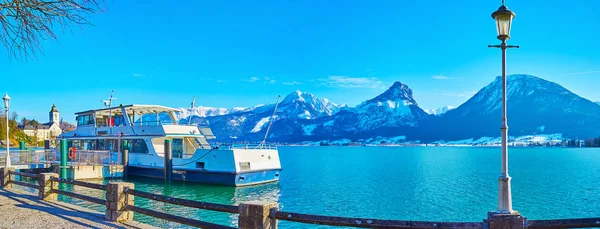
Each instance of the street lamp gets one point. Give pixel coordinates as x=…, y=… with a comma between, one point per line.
x=6, y=99
x=503, y=18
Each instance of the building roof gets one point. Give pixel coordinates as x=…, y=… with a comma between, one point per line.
x=130, y=109
x=39, y=126
x=54, y=108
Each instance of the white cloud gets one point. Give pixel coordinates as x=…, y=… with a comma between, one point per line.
x=253, y=79
x=581, y=73
x=441, y=77
x=352, y=82
x=138, y=74
x=264, y=80
x=221, y=81
x=269, y=80
x=467, y=94
x=291, y=83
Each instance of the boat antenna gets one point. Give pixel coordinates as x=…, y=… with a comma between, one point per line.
x=270, y=122
x=191, y=109
x=108, y=104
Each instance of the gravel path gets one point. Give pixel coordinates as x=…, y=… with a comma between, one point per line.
x=21, y=210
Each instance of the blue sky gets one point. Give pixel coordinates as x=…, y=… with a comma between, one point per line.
x=243, y=53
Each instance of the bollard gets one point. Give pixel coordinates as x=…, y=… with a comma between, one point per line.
x=5, y=177
x=505, y=221
x=125, y=158
x=255, y=215
x=168, y=165
x=116, y=200
x=46, y=186
x=63, y=158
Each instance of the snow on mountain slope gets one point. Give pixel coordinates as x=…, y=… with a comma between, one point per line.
x=202, y=112
x=439, y=111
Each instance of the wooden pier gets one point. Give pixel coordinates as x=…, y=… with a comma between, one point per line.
x=120, y=207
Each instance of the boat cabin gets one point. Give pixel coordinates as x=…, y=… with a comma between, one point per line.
x=137, y=128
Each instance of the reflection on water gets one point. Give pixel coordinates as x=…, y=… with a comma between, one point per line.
x=190, y=191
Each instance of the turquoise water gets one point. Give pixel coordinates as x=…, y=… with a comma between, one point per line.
x=407, y=183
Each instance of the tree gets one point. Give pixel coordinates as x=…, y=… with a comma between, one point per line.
x=24, y=23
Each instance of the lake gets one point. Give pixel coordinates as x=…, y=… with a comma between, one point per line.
x=405, y=183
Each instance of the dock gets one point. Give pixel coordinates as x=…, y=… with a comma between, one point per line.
x=27, y=211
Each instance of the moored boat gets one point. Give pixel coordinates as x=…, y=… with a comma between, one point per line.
x=143, y=129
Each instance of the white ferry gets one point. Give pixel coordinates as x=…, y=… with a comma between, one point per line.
x=126, y=128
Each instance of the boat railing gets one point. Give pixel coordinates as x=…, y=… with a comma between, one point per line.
x=94, y=157
x=248, y=146
x=26, y=157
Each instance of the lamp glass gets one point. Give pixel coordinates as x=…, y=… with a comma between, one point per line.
x=6, y=101
x=503, y=23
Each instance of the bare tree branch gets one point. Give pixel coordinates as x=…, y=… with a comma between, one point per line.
x=24, y=23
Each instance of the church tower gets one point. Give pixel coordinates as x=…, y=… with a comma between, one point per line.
x=54, y=115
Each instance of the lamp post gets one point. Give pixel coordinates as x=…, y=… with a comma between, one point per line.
x=503, y=18
x=6, y=99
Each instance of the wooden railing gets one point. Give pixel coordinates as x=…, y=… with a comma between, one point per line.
x=120, y=207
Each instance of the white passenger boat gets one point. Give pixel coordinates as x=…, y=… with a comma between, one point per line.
x=128, y=128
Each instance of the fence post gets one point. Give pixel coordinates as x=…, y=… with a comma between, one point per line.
x=5, y=177
x=46, y=186
x=255, y=215
x=505, y=221
x=116, y=199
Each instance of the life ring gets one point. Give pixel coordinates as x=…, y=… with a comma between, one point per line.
x=72, y=153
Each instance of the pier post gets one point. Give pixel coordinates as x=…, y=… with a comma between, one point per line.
x=23, y=156
x=5, y=177
x=46, y=186
x=47, y=151
x=116, y=200
x=255, y=215
x=168, y=165
x=505, y=221
x=63, y=158
x=125, y=158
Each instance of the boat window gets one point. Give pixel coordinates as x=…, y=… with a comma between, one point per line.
x=177, y=147
x=106, y=144
x=153, y=119
x=83, y=120
x=135, y=145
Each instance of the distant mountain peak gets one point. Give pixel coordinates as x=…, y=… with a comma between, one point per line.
x=398, y=91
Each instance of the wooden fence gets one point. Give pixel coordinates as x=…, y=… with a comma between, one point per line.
x=120, y=207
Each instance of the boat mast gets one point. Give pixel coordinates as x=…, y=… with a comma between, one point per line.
x=191, y=109
x=270, y=122
x=108, y=103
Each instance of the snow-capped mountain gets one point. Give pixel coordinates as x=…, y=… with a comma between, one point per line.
x=202, y=112
x=534, y=106
x=251, y=123
x=394, y=107
x=439, y=111
x=393, y=111
x=307, y=106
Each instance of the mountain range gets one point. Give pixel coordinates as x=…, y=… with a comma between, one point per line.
x=535, y=106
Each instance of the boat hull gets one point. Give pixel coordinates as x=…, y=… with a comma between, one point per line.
x=209, y=177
